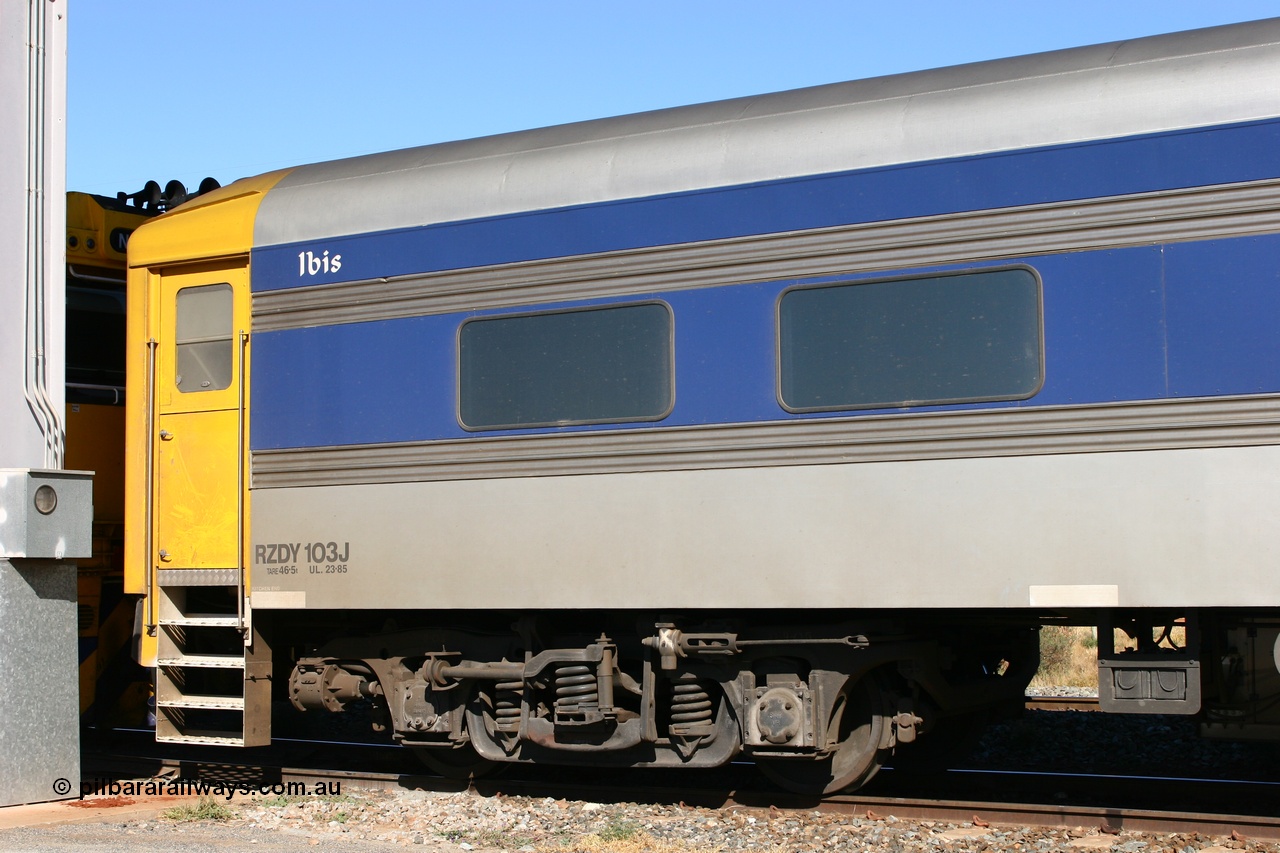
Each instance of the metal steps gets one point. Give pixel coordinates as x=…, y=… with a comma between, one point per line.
x=206, y=620
x=213, y=703
x=204, y=739
x=213, y=671
x=204, y=661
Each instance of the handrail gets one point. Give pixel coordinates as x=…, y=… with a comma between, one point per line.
x=240, y=483
x=153, y=487
x=116, y=390
x=86, y=276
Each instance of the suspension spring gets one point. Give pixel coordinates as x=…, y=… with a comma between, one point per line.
x=690, y=705
x=507, y=699
x=576, y=685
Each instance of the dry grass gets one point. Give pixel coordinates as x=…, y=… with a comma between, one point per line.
x=622, y=836
x=641, y=842
x=1069, y=655
x=206, y=809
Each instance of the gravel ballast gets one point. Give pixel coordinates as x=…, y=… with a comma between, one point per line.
x=451, y=822
x=458, y=822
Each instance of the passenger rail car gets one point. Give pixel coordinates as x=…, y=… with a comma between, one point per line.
x=774, y=426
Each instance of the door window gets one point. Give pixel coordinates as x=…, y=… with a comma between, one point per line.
x=205, y=342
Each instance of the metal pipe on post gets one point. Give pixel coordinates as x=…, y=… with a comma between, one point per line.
x=45, y=513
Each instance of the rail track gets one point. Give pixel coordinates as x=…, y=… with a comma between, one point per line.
x=1062, y=703
x=1018, y=798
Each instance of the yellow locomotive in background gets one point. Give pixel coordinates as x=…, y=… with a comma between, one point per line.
x=113, y=688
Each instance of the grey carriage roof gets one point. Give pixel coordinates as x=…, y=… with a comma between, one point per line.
x=1197, y=78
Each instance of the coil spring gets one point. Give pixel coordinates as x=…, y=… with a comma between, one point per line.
x=576, y=685
x=507, y=698
x=690, y=702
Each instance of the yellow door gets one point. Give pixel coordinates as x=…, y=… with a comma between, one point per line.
x=199, y=448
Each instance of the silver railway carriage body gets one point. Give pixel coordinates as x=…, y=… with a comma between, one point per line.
x=775, y=424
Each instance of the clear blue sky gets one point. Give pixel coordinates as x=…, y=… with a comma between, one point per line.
x=162, y=89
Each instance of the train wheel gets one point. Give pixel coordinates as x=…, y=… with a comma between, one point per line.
x=461, y=762
x=858, y=718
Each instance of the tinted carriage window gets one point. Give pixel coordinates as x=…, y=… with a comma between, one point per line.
x=943, y=339
x=205, y=343
x=594, y=366
x=95, y=343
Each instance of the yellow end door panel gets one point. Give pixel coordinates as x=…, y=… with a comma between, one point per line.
x=197, y=525
x=199, y=444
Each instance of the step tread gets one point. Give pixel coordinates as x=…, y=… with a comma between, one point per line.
x=210, y=661
x=219, y=703
x=202, y=620
x=208, y=738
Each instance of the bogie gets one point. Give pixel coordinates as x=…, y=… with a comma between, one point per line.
x=818, y=706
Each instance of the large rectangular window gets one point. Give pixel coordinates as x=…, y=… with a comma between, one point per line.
x=916, y=341
x=599, y=365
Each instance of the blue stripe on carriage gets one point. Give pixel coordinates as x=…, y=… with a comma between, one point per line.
x=1178, y=320
x=1094, y=169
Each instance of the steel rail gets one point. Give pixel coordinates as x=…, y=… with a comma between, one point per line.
x=977, y=812
x=1062, y=703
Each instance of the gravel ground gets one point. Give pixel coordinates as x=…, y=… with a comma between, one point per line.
x=1140, y=744
x=456, y=822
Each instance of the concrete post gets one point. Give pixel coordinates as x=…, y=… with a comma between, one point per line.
x=39, y=706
